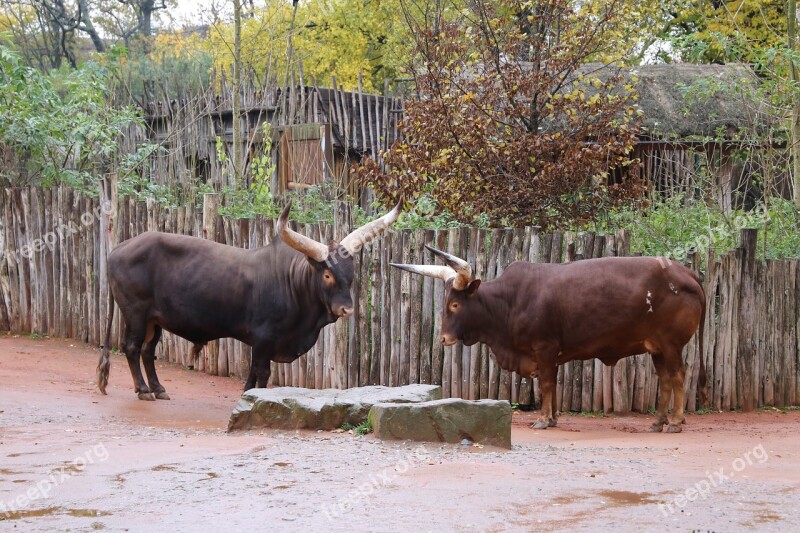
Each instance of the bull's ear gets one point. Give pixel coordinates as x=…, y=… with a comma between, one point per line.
x=472, y=287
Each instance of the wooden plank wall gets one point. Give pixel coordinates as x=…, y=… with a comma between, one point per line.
x=53, y=244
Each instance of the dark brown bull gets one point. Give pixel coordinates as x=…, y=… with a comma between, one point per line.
x=275, y=299
x=535, y=317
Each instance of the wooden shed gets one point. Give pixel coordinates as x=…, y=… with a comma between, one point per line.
x=315, y=133
x=705, y=123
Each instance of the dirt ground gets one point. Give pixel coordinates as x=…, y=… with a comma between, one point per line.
x=74, y=459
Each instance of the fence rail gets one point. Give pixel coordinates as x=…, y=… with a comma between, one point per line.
x=53, y=281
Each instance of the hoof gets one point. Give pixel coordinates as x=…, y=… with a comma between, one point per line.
x=148, y=396
x=162, y=395
x=552, y=423
x=656, y=427
x=674, y=428
x=541, y=425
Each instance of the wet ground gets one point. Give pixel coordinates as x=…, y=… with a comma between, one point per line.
x=73, y=459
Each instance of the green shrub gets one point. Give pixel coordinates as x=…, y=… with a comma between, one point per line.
x=677, y=225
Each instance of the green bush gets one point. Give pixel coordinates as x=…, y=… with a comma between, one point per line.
x=677, y=225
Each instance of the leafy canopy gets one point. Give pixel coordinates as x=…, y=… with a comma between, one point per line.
x=329, y=38
x=507, y=125
x=59, y=128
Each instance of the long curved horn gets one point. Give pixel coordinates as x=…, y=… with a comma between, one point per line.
x=361, y=236
x=443, y=273
x=461, y=267
x=313, y=249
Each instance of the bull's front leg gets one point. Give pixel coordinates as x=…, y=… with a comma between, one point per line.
x=547, y=381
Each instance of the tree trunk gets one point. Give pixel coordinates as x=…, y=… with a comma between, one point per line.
x=237, y=102
x=795, y=116
x=87, y=26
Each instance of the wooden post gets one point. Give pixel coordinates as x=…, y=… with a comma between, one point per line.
x=621, y=390
x=342, y=226
x=747, y=315
x=210, y=209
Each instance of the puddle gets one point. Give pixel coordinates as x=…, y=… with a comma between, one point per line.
x=624, y=497
x=611, y=497
x=767, y=517
x=52, y=511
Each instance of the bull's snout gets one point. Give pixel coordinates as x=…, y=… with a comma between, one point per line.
x=447, y=340
x=344, y=311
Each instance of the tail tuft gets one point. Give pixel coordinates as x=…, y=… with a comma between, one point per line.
x=103, y=366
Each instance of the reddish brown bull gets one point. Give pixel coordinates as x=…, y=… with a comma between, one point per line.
x=535, y=317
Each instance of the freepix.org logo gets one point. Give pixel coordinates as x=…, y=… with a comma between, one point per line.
x=42, y=489
x=714, y=479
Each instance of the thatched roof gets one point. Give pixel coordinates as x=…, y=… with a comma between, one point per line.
x=685, y=101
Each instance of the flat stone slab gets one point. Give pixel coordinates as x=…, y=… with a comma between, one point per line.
x=327, y=409
x=451, y=420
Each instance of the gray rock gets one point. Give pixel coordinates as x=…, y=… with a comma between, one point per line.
x=452, y=420
x=297, y=408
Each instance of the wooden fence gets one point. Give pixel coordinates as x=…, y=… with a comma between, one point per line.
x=53, y=244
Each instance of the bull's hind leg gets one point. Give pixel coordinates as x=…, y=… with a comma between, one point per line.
x=149, y=361
x=547, y=381
x=671, y=372
x=134, y=337
x=664, y=392
x=677, y=373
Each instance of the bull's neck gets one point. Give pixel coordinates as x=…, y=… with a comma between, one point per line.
x=495, y=299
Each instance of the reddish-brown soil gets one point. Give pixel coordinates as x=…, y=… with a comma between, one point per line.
x=71, y=458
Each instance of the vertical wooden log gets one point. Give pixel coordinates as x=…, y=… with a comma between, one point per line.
x=405, y=311
x=769, y=356
x=416, y=306
x=395, y=310
x=426, y=320
x=504, y=385
x=479, y=351
x=387, y=245
x=450, y=384
x=790, y=342
x=621, y=389
x=12, y=256
x=376, y=323
x=343, y=225
x=530, y=252
x=209, y=231
x=364, y=318
x=745, y=358
x=437, y=350
x=597, y=387
x=585, y=250
x=5, y=299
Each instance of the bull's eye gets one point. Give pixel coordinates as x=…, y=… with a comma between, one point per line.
x=454, y=306
x=328, y=279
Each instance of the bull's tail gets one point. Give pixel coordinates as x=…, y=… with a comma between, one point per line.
x=701, y=379
x=104, y=365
